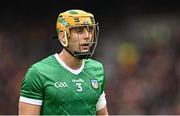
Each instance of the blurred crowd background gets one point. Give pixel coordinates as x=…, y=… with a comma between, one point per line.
x=139, y=45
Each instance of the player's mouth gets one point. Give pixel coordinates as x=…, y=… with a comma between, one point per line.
x=85, y=46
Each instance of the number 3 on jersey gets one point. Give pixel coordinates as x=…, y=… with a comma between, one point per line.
x=79, y=87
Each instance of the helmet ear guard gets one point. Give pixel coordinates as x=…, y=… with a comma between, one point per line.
x=64, y=42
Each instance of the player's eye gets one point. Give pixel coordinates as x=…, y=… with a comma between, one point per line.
x=90, y=29
x=79, y=30
x=83, y=29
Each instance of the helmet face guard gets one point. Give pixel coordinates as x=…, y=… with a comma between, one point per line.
x=75, y=19
x=93, y=43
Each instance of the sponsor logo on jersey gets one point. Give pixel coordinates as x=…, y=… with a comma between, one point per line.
x=60, y=84
x=78, y=80
x=95, y=84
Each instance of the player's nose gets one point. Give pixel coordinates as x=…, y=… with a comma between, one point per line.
x=86, y=34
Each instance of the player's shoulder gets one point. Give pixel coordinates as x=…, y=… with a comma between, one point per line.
x=41, y=67
x=44, y=61
x=45, y=64
x=93, y=63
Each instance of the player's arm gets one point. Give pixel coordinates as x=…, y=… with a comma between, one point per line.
x=101, y=108
x=31, y=95
x=103, y=111
x=28, y=109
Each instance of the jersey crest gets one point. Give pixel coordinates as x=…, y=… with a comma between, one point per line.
x=95, y=84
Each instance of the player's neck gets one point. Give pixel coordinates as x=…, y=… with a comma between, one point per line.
x=70, y=60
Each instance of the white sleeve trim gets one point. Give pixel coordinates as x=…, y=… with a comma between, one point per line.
x=101, y=102
x=30, y=101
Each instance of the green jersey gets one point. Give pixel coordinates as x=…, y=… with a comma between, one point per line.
x=62, y=90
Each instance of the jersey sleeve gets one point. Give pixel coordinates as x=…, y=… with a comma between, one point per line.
x=104, y=80
x=102, y=99
x=101, y=102
x=32, y=88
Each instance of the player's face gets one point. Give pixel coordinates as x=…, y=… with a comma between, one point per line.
x=81, y=38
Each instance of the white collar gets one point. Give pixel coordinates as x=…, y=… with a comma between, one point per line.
x=76, y=72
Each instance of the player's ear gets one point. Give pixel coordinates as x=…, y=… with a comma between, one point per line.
x=63, y=38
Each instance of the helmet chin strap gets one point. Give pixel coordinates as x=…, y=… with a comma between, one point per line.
x=79, y=55
x=84, y=55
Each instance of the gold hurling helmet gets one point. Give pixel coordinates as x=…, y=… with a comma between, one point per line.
x=73, y=19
